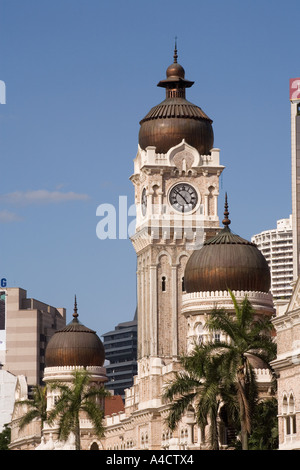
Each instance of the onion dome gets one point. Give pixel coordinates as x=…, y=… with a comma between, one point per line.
x=227, y=261
x=175, y=118
x=75, y=345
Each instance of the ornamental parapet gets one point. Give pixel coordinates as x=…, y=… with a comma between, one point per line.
x=66, y=372
x=74, y=368
x=203, y=302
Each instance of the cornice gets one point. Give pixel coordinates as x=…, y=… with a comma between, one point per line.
x=287, y=320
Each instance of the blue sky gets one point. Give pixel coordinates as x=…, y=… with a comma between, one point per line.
x=80, y=75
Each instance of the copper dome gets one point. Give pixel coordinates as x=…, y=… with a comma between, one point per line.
x=227, y=261
x=175, y=118
x=75, y=345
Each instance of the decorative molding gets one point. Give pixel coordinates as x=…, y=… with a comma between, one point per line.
x=200, y=302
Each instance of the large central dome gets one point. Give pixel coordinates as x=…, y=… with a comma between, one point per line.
x=227, y=261
x=175, y=119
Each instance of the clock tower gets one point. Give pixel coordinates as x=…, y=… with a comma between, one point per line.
x=176, y=180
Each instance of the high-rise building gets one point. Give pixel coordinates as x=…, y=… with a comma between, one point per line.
x=277, y=247
x=287, y=321
x=295, y=155
x=121, y=351
x=26, y=330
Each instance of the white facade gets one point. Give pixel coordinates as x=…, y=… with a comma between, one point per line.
x=287, y=368
x=7, y=397
x=277, y=247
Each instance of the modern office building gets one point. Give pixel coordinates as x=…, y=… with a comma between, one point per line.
x=287, y=321
x=121, y=351
x=295, y=161
x=277, y=247
x=26, y=328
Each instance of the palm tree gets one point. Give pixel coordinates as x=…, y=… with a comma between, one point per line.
x=199, y=384
x=74, y=399
x=247, y=337
x=221, y=373
x=37, y=407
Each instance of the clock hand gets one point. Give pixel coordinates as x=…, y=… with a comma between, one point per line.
x=181, y=196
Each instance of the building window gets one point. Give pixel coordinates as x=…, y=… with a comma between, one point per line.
x=217, y=337
x=182, y=285
x=284, y=405
x=290, y=424
x=163, y=284
x=288, y=409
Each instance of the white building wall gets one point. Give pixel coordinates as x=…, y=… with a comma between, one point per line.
x=7, y=397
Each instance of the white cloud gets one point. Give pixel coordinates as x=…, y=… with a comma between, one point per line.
x=6, y=217
x=41, y=196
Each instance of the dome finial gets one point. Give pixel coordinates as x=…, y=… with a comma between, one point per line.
x=175, y=51
x=75, y=314
x=226, y=221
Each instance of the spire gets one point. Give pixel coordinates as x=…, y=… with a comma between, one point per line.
x=175, y=51
x=75, y=314
x=175, y=83
x=226, y=221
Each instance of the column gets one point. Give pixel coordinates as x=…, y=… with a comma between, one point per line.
x=174, y=312
x=153, y=311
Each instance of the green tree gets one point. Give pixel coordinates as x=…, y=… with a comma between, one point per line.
x=5, y=437
x=248, y=337
x=36, y=407
x=78, y=397
x=264, y=434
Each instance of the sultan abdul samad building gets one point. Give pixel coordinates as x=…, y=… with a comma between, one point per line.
x=185, y=264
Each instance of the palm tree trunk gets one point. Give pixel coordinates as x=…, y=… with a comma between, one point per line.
x=77, y=434
x=244, y=435
x=244, y=418
x=214, y=431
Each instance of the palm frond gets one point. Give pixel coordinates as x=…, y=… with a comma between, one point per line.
x=181, y=384
x=178, y=408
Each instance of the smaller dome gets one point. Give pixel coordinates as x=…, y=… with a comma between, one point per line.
x=227, y=261
x=175, y=70
x=75, y=345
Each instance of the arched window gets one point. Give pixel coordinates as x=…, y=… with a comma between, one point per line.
x=284, y=405
x=199, y=333
x=163, y=284
x=288, y=408
x=94, y=446
x=182, y=285
x=211, y=201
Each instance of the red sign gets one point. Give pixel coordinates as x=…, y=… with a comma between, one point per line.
x=294, y=88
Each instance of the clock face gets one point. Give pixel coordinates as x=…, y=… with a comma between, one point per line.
x=144, y=202
x=183, y=197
